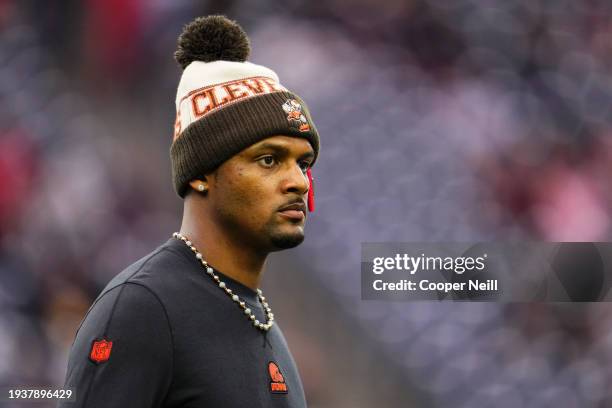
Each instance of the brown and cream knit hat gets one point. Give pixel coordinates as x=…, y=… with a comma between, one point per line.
x=225, y=103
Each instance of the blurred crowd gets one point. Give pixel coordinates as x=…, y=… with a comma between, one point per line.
x=439, y=121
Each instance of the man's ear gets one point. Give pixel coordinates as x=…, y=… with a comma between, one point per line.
x=200, y=185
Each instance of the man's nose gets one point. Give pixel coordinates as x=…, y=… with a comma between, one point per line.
x=296, y=181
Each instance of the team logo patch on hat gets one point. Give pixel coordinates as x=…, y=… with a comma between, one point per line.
x=100, y=351
x=296, y=118
x=277, y=385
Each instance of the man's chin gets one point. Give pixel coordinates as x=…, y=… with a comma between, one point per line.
x=287, y=240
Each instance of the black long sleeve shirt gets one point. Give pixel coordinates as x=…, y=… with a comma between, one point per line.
x=163, y=334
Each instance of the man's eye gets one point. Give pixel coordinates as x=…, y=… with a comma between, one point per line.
x=304, y=165
x=266, y=161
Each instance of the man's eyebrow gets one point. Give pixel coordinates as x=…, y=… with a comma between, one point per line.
x=272, y=146
x=283, y=149
x=308, y=155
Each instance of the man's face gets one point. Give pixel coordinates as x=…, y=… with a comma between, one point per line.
x=251, y=191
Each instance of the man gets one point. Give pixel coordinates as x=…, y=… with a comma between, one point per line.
x=187, y=326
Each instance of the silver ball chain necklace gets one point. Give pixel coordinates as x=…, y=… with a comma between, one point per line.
x=247, y=311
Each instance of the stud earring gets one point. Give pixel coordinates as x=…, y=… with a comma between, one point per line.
x=201, y=187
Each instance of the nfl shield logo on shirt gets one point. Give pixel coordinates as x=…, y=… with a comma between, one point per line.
x=100, y=351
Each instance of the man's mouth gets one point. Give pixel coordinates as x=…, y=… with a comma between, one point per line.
x=295, y=211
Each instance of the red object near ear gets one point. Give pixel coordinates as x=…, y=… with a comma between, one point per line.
x=311, y=203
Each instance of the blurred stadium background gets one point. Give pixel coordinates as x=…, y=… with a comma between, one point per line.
x=440, y=120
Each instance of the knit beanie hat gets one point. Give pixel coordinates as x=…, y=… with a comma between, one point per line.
x=225, y=103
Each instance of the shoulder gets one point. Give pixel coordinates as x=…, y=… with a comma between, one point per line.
x=138, y=286
x=151, y=271
x=124, y=308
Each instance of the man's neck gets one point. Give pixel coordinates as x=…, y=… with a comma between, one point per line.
x=220, y=250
